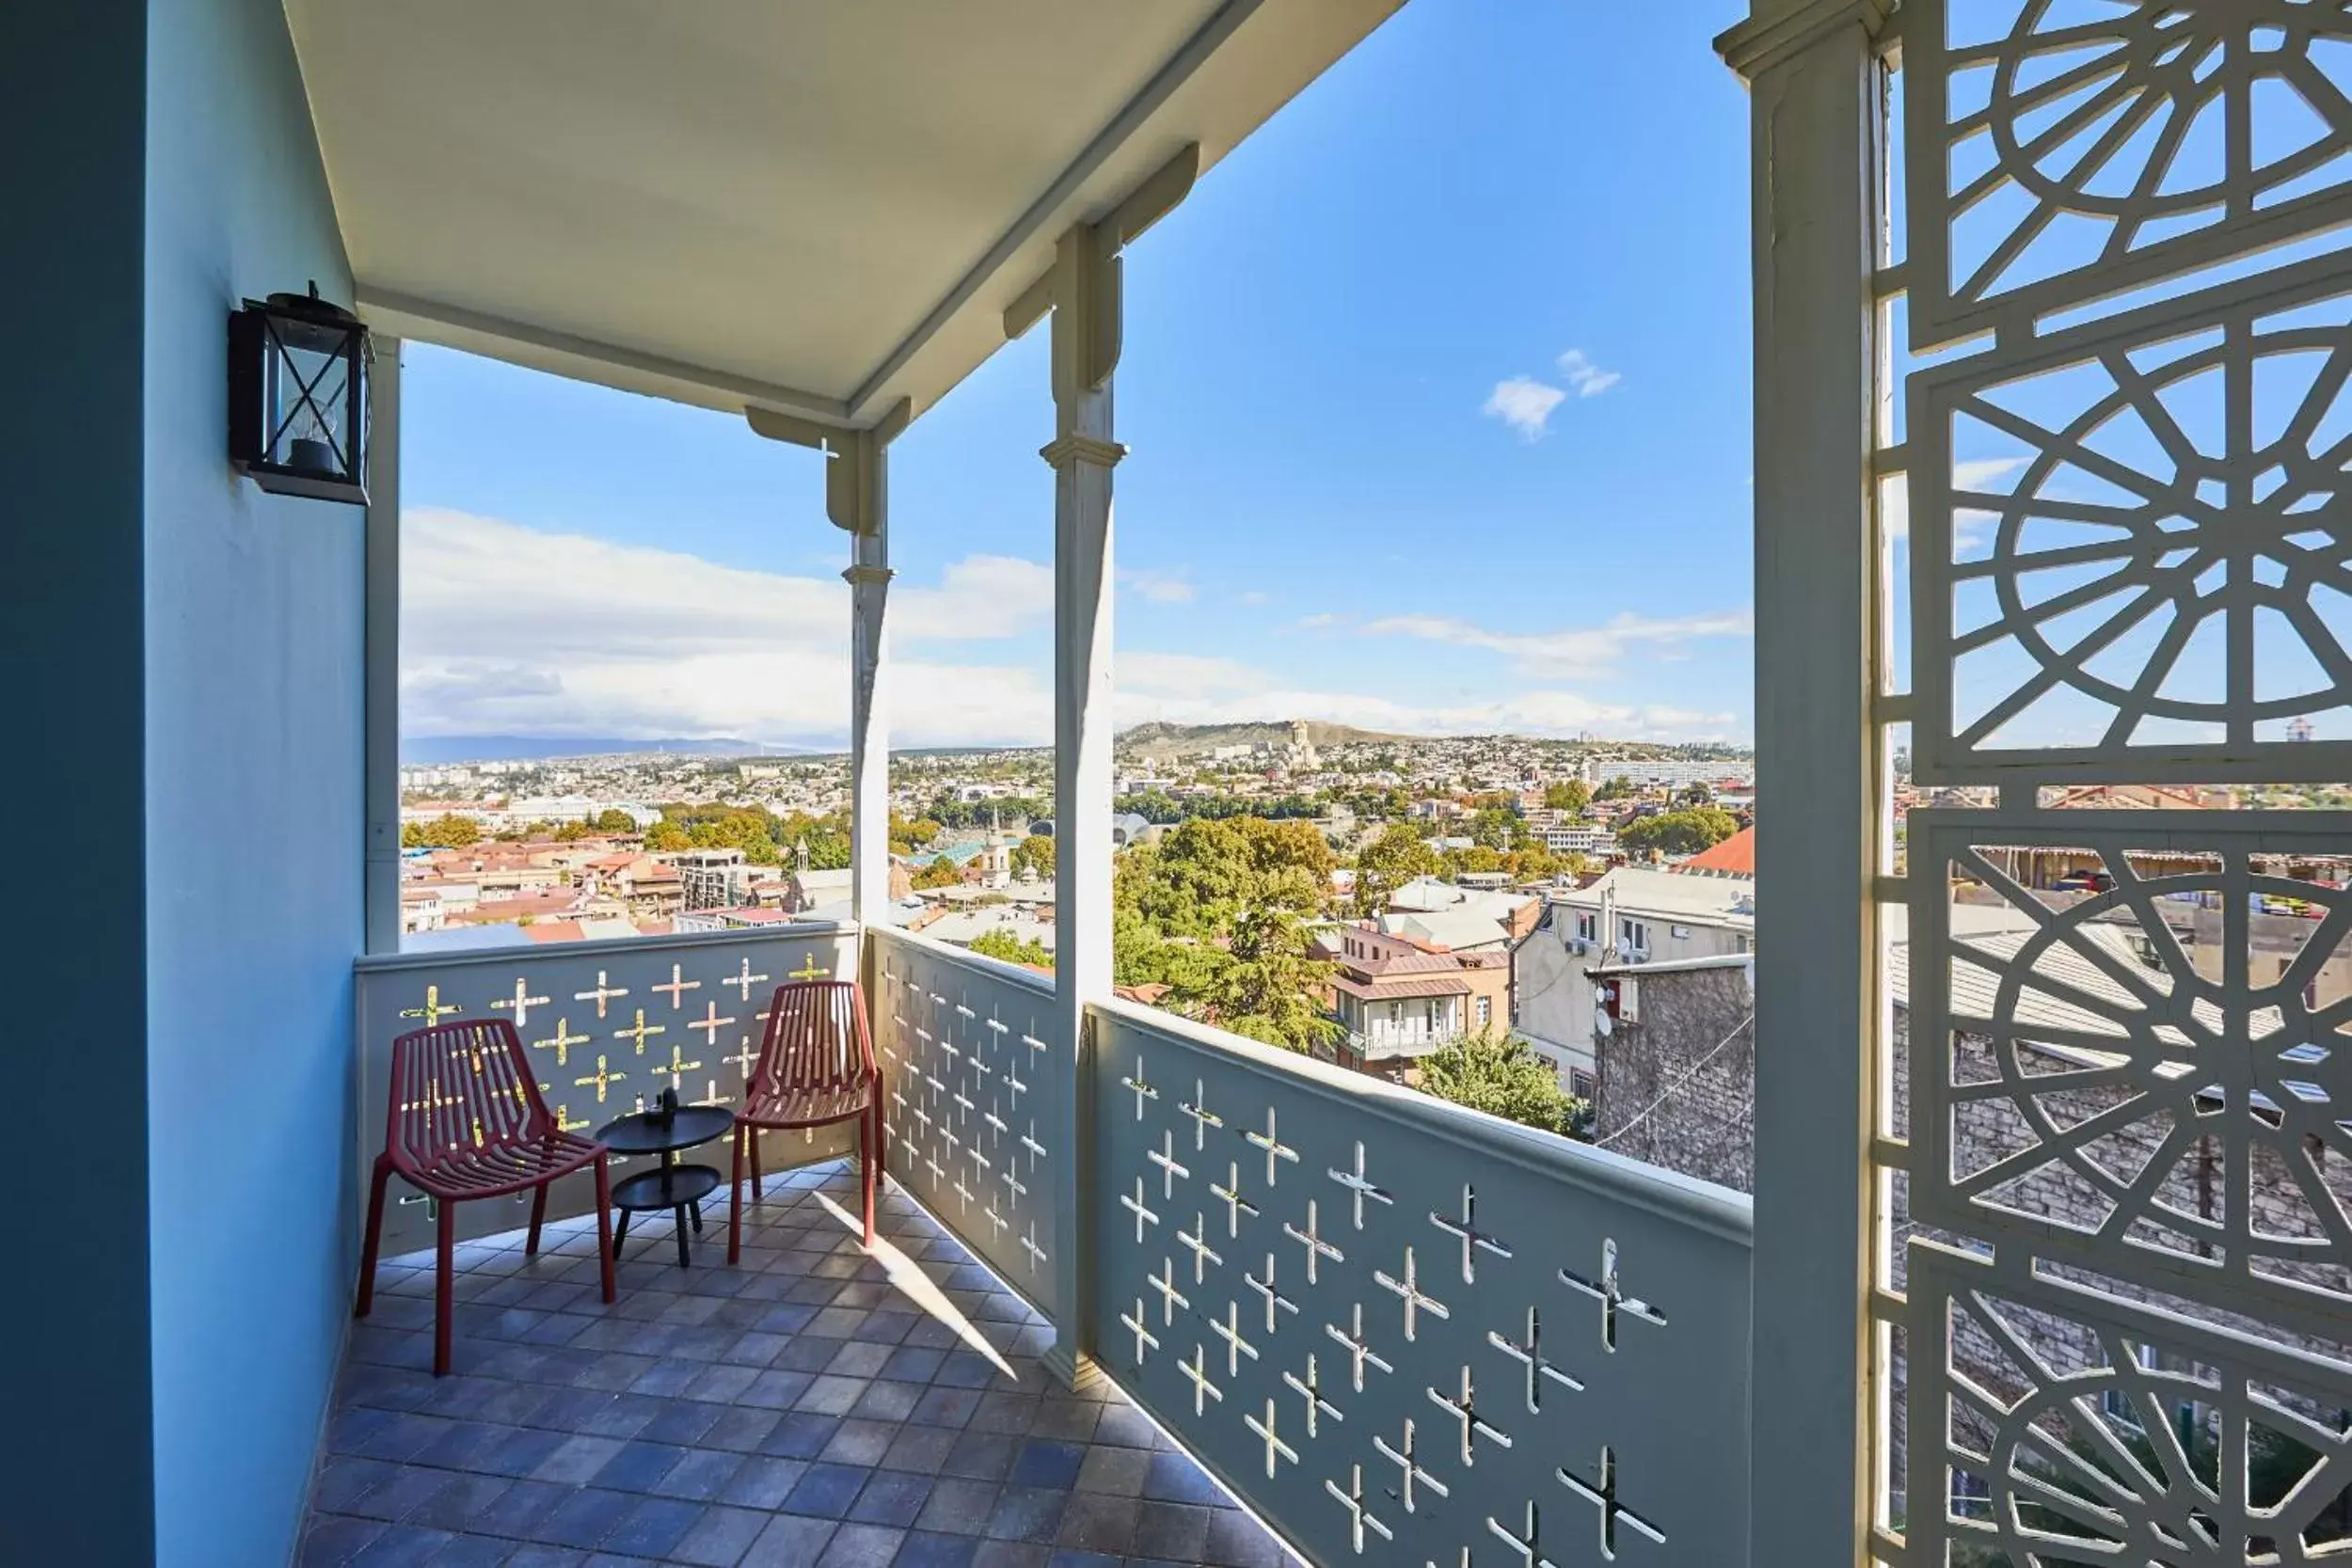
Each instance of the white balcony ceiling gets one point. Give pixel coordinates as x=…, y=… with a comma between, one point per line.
x=817, y=205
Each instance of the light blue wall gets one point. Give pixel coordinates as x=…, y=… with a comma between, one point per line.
x=73, y=1303
x=253, y=625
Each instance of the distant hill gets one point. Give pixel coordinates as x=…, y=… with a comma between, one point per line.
x=1179, y=739
x=439, y=749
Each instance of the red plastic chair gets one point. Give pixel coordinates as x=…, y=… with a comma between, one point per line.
x=816, y=1067
x=466, y=1121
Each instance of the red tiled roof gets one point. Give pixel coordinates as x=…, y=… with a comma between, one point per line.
x=1735, y=855
x=1394, y=988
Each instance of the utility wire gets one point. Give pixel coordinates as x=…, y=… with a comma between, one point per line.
x=1672, y=1089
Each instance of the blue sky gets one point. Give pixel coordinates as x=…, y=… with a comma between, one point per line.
x=1436, y=392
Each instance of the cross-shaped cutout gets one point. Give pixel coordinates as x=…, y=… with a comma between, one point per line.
x=1028, y=1141
x=1014, y=1082
x=964, y=1193
x=604, y=993
x=433, y=1011
x=1359, y=1349
x=1604, y=1498
x=1312, y=1239
x=1028, y=1245
x=1015, y=1190
x=1196, y=1240
x=1473, y=1241
x=1529, y=1355
x=744, y=1059
x=642, y=1033
x=1142, y=1214
x=677, y=985
x=710, y=1024
x=1611, y=1297
x=1357, y=1185
x=1170, y=1297
x=1275, y=1149
x=813, y=969
x=1409, y=1473
x=1202, y=1118
x=1359, y=1518
x=1133, y=1323
x=563, y=1039
x=1408, y=1290
x=1528, y=1546
x=743, y=979
x=1275, y=1300
x=679, y=1067
x=1310, y=1389
x=1202, y=1389
x=1230, y=1194
x=1274, y=1445
x=522, y=1001
x=1464, y=1409
x=995, y=1221
x=1139, y=1085
x=601, y=1078
x=1235, y=1346
x=1165, y=1157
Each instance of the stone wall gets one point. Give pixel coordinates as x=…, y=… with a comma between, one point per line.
x=1677, y=1088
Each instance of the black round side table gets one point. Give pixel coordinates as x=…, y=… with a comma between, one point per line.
x=672, y=1186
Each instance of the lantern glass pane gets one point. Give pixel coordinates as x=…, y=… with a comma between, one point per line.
x=310, y=399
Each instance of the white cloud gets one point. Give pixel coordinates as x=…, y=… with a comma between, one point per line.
x=1572, y=652
x=1586, y=378
x=509, y=629
x=1186, y=689
x=1253, y=596
x=1159, y=587
x=1524, y=403
x=1976, y=473
x=1318, y=621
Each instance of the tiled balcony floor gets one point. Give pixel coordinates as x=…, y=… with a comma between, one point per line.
x=814, y=1407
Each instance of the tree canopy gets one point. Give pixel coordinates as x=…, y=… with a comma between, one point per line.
x=1003, y=946
x=1493, y=1070
x=1569, y=795
x=442, y=832
x=1034, y=853
x=1391, y=861
x=941, y=872
x=1679, y=833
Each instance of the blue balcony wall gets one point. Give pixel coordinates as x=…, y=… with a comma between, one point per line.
x=73, y=1314
x=253, y=620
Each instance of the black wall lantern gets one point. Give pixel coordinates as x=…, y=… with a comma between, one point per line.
x=298, y=397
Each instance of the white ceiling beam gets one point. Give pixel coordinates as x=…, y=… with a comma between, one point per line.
x=410, y=317
x=1045, y=217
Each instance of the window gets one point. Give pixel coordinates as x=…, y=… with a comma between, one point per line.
x=1486, y=1011
x=1588, y=927
x=1633, y=935
x=1580, y=1083
x=1971, y=1496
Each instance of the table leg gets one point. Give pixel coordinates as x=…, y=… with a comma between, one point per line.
x=683, y=1261
x=620, y=1234
x=695, y=1208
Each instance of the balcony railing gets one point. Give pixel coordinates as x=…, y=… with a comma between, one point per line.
x=609, y=1025
x=1395, y=1328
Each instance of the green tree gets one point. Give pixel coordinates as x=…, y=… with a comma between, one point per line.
x=441, y=832
x=1679, y=833
x=1493, y=1070
x=1389, y=861
x=667, y=835
x=572, y=833
x=614, y=820
x=1003, y=946
x=1618, y=788
x=941, y=872
x=1570, y=795
x=1696, y=792
x=1034, y=853
x=1266, y=984
x=1495, y=827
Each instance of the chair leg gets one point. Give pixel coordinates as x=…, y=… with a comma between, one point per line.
x=759, y=1177
x=865, y=1153
x=539, y=1217
x=375, y=1234
x=604, y=1226
x=735, y=1204
x=445, y=1267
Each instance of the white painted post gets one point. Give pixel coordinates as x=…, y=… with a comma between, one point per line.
x=1816, y=123
x=380, y=656
x=1084, y=350
x=868, y=578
